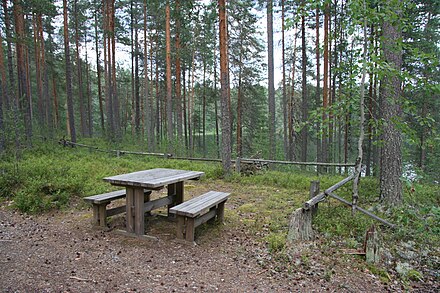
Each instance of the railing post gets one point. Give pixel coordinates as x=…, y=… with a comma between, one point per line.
x=237, y=165
x=314, y=191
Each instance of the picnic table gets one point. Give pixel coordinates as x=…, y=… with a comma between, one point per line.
x=154, y=179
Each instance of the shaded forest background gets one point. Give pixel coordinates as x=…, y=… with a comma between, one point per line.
x=62, y=75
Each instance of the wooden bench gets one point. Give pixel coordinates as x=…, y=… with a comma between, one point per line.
x=100, y=202
x=197, y=211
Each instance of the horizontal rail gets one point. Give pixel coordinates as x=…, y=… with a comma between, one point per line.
x=170, y=156
x=316, y=199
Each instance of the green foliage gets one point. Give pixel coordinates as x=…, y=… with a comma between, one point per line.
x=50, y=176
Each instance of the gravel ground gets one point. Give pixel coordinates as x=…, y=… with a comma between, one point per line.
x=61, y=252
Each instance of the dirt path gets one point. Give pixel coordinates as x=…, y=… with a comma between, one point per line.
x=60, y=252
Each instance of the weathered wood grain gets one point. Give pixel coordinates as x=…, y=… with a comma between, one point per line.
x=154, y=178
x=197, y=211
x=197, y=205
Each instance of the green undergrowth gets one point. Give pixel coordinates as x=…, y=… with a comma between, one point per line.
x=50, y=176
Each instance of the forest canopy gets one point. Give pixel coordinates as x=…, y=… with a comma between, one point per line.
x=281, y=80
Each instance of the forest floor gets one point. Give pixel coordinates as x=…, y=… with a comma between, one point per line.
x=61, y=252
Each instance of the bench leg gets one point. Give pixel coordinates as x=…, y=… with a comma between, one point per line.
x=189, y=229
x=221, y=212
x=180, y=227
x=212, y=220
x=100, y=215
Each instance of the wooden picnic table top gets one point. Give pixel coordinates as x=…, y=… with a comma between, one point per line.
x=153, y=178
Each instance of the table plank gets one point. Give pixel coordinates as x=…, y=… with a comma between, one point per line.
x=154, y=178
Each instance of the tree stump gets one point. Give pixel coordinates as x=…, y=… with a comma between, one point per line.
x=300, y=226
x=372, y=246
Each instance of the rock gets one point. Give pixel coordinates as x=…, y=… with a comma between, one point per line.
x=387, y=257
x=407, y=254
x=403, y=268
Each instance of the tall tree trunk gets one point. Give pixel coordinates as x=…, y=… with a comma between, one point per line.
x=136, y=77
x=325, y=99
x=108, y=70
x=191, y=104
x=185, y=118
x=240, y=104
x=391, y=151
x=11, y=84
x=89, y=95
x=23, y=90
x=82, y=114
x=4, y=99
x=2, y=127
x=98, y=72
x=169, y=103
x=292, y=104
x=204, y=107
x=56, y=119
x=369, y=115
x=38, y=76
x=332, y=89
x=148, y=102
x=134, y=105
x=48, y=111
x=358, y=167
x=271, y=90
x=304, y=106
x=217, y=136
x=69, y=101
x=152, y=117
x=116, y=108
x=318, y=88
x=284, y=99
x=226, y=120
x=178, y=76
x=5, y=96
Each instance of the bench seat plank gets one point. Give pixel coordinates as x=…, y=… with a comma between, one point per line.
x=106, y=197
x=195, y=206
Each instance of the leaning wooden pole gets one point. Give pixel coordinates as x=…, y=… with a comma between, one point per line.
x=331, y=194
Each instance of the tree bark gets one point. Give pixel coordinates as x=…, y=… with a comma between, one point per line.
x=169, y=104
x=318, y=88
x=98, y=73
x=325, y=89
x=304, y=106
x=292, y=105
x=70, y=113
x=284, y=99
x=224, y=81
x=23, y=73
x=178, y=76
x=4, y=100
x=271, y=89
x=11, y=84
x=391, y=151
x=82, y=112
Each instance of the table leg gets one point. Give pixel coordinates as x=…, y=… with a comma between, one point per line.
x=129, y=209
x=135, y=210
x=139, y=215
